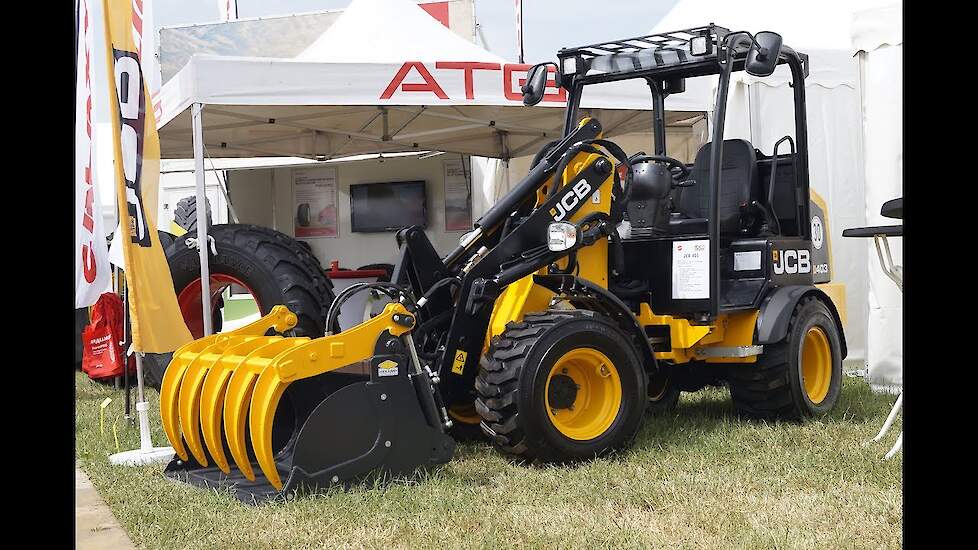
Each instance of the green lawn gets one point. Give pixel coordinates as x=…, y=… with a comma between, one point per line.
x=236, y=309
x=701, y=478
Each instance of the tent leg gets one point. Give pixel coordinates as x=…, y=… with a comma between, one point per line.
x=202, y=239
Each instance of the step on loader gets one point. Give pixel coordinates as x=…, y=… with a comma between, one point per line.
x=595, y=291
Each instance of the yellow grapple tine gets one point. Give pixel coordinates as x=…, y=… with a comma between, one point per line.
x=212, y=395
x=170, y=391
x=317, y=357
x=238, y=398
x=264, y=403
x=279, y=318
x=190, y=388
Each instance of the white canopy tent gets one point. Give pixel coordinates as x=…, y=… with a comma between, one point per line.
x=760, y=110
x=877, y=39
x=385, y=77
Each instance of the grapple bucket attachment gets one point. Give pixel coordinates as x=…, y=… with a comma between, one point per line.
x=265, y=416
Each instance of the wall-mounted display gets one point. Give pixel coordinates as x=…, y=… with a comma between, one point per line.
x=390, y=206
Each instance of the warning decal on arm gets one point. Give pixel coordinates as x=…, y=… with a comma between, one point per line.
x=459, y=362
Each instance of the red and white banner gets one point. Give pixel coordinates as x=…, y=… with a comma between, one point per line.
x=144, y=34
x=91, y=254
x=227, y=9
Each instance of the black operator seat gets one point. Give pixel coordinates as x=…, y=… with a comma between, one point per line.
x=739, y=177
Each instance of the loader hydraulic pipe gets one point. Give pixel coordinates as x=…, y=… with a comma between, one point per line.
x=526, y=188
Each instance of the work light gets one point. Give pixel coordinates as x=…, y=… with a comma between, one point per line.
x=561, y=236
x=568, y=66
x=699, y=45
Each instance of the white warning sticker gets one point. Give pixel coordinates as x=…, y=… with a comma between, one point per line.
x=691, y=270
x=387, y=368
x=747, y=261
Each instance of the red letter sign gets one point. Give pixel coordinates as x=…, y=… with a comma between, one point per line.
x=430, y=84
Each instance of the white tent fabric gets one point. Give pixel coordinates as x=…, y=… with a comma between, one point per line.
x=878, y=41
x=373, y=83
x=386, y=77
x=415, y=37
x=760, y=110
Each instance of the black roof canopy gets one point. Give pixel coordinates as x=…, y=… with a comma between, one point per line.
x=661, y=55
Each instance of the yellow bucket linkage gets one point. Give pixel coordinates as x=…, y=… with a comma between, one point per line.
x=223, y=395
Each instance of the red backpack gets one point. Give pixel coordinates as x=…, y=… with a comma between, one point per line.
x=101, y=350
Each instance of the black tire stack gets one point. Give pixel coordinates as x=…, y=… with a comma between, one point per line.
x=276, y=268
x=185, y=213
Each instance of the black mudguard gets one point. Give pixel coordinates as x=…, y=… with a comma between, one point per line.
x=587, y=295
x=777, y=307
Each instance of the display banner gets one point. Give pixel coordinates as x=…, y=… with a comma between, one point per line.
x=157, y=324
x=458, y=196
x=142, y=18
x=227, y=9
x=92, y=269
x=314, y=199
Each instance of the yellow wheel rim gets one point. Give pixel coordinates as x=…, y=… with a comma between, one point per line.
x=466, y=414
x=816, y=364
x=583, y=394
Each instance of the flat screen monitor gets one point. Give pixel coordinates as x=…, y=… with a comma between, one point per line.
x=378, y=207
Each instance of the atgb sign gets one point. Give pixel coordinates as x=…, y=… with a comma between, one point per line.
x=432, y=83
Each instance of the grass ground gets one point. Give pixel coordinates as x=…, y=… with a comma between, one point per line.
x=701, y=478
x=238, y=308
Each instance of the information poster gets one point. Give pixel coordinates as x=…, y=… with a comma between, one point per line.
x=458, y=196
x=314, y=198
x=691, y=270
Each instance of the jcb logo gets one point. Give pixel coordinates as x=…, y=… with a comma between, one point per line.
x=791, y=261
x=570, y=200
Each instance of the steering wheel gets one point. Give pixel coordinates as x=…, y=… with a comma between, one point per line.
x=678, y=169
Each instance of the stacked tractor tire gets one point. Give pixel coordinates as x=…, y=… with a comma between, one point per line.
x=275, y=268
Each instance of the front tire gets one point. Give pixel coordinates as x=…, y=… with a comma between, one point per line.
x=561, y=385
x=797, y=378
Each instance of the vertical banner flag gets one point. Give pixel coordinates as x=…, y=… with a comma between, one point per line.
x=144, y=35
x=228, y=9
x=92, y=267
x=157, y=324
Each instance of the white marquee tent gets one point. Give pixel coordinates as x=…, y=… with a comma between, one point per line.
x=760, y=110
x=877, y=39
x=385, y=77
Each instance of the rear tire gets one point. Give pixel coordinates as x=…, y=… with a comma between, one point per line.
x=527, y=395
x=797, y=378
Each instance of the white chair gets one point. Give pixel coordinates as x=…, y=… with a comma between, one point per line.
x=890, y=209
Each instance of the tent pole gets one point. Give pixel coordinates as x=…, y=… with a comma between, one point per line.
x=202, y=242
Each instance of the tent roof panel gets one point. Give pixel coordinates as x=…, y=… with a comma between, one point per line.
x=319, y=132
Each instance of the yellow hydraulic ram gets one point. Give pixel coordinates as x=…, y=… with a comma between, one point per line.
x=222, y=394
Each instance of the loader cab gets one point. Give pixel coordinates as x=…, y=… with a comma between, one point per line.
x=711, y=236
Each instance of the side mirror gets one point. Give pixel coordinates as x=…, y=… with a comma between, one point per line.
x=763, y=55
x=536, y=84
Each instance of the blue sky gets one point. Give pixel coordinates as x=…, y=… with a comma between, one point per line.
x=548, y=25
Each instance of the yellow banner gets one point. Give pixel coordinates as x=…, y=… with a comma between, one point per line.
x=157, y=325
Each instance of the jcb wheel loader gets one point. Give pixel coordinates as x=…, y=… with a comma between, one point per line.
x=600, y=287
